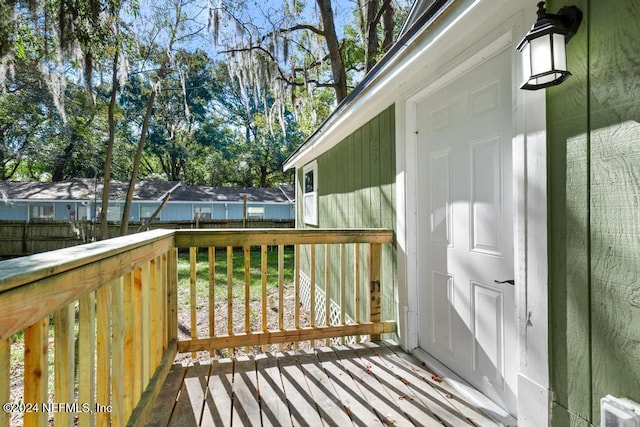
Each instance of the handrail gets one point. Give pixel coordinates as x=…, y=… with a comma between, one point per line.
x=24, y=270
x=122, y=294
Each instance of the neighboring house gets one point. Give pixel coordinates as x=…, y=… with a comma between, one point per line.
x=483, y=182
x=80, y=199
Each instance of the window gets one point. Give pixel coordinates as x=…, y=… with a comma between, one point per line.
x=83, y=213
x=255, y=212
x=202, y=212
x=147, y=211
x=310, y=196
x=114, y=213
x=42, y=212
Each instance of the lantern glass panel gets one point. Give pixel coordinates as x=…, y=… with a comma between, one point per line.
x=526, y=63
x=559, y=54
x=541, y=54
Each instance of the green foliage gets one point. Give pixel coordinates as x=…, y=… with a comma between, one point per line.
x=207, y=127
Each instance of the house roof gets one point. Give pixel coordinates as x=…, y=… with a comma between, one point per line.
x=281, y=194
x=422, y=13
x=88, y=189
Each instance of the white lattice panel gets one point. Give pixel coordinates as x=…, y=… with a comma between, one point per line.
x=320, y=314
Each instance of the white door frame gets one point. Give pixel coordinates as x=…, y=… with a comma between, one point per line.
x=530, y=226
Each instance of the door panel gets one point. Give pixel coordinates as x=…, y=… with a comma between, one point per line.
x=465, y=229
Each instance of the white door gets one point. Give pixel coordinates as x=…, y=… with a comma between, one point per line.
x=465, y=229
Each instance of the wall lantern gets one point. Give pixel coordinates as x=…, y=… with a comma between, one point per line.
x=544, y=60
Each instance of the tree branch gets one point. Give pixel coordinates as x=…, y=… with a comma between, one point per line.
x=297, y=27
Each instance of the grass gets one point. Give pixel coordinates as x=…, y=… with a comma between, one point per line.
x=255, y=285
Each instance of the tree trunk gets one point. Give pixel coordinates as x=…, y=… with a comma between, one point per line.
x=371, y=45
x=104, y=229
x=388, y=22
x=124, y=225
x=263, y=176
x=335, y=56
x=60, y=162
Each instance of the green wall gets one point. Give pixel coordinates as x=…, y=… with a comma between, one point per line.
x=594, y=214
x=356, y=189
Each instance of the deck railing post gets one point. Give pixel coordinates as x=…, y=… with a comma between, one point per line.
x=5, y=372
x=172, y=274
x=36, y=370
x=374, y=285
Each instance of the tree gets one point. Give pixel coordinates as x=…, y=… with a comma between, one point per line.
x=72, y=38
x=181, y=107
x=172, y=23
x=23, y=110
x=291, y=57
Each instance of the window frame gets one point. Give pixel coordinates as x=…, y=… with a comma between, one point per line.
x=310, y=198
x=197, y=210
x=152, y=209
x=37, y=211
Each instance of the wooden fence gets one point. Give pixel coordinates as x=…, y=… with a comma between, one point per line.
x=20, y=238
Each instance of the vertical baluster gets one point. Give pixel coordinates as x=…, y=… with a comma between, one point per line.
x=86, y=354
x=263, y=284
x=247, y=288
x=128, y=355
x=192, y=293
x=173, y=294
x=103, y=353
x=296, y=315
x=356, y=287
x=137, y=335
x=375, y=250
x=146, y=324
x=342, y=287
x=312, y=290
x=5, y=372
x=118, y=361
x=327, y=289
x=280, y=288
x=153, y=313
x=158, y=313
x=164, y=301
x=64, y=346
x=212, y=291
x=230, y=294
x=35, y=370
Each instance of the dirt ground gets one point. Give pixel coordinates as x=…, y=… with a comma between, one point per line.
x=202, y=316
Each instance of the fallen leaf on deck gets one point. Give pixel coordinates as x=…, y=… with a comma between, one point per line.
x=389, y=422
x=436, y=378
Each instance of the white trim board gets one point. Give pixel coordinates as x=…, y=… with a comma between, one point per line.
x=471, y=396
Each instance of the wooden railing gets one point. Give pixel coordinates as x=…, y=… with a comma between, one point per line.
x=110, y=311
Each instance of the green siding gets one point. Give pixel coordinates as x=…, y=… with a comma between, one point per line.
x=594, y=216
x=356, y=185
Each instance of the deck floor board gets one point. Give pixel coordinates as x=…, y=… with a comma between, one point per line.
x=355, y=404
x=273, y=402
x=358, y=385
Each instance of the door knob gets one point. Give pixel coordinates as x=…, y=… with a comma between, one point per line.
x=511, y=282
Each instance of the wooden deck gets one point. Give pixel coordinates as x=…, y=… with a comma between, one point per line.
x=360, y=385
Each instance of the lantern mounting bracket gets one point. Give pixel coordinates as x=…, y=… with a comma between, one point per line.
x=570, y=18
